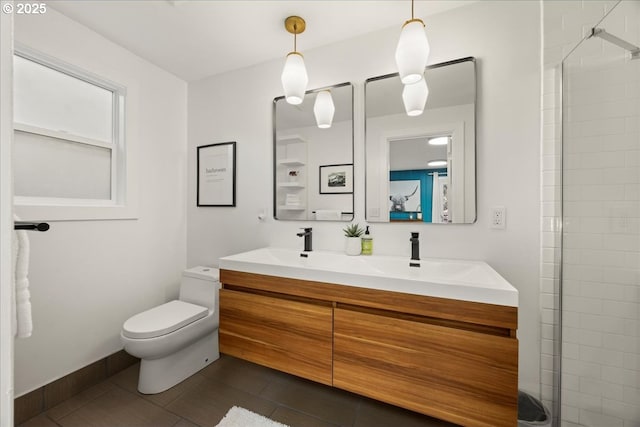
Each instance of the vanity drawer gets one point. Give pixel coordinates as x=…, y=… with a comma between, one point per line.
x=291, y=336
x=463, y=376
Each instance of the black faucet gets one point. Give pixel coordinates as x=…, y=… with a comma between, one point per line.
x=307, y=239
x=415, y=249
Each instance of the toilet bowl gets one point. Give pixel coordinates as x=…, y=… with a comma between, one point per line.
x=176, y=339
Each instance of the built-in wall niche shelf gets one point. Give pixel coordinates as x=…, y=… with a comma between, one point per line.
x=291, y=184
x=291, y=139
x=291, y=162
x=291, y=154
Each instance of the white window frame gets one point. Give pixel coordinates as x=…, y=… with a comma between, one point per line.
x=122, y=204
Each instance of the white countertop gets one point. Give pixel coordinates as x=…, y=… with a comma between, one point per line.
x=443, y=278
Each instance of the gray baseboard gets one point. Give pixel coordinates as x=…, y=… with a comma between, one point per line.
x=48, y=396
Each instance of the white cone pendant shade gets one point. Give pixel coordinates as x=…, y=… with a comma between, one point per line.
x=324, y=109
x=415, y=97
x=294, y=78
x=412, y=52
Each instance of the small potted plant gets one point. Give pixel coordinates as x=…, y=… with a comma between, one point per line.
x=353, y=245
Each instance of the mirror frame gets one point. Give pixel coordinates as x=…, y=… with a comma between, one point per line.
x=473, y=61
x=275, y=145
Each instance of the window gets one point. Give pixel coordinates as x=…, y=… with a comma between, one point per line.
x=69, y=139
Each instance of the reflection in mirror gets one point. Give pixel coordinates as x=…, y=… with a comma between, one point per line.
x=422, y=168
x=313, y=163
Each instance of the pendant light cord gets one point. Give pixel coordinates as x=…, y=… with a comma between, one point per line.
x=411, y=9
x=295, y=37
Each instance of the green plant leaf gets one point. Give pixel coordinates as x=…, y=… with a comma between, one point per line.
x=353, y=230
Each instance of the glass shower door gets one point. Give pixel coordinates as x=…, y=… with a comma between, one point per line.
x=600, y=291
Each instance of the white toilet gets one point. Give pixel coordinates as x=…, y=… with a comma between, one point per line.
x=177, y=339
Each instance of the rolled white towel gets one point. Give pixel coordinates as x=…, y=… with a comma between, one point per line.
x=328, y=215
x=23, y=324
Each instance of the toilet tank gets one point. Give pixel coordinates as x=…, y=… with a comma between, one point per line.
x=200, y=286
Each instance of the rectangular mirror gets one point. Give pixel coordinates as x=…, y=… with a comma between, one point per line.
x=313, y=166
x=422, y=168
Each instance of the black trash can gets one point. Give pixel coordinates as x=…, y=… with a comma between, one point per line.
x=531, y=412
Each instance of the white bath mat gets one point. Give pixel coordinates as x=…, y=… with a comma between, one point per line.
x=240, y=417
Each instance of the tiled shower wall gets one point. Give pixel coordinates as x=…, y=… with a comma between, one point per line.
x=601, y=362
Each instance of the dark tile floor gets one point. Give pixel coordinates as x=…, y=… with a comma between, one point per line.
x=203, y=399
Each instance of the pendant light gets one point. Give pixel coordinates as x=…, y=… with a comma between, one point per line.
x=294, y=74
x=439, y=140
x=414, y=97
x=412, y=52
x=324, y=109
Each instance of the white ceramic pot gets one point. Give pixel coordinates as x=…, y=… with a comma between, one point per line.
x=353, y=246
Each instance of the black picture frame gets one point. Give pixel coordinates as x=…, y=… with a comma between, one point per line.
x=216, y=179
x=336, y=179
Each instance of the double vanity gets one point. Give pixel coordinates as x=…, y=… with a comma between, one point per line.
x=439, y=339
x=437, y=336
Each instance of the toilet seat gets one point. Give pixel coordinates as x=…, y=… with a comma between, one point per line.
x=163, y=319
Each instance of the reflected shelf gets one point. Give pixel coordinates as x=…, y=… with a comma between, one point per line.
x=291, y=162
x=291, y=139
x=292, y=208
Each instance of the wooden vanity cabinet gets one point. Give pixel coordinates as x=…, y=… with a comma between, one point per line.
x=450, y=359
x=458, y=375
x=290, y=336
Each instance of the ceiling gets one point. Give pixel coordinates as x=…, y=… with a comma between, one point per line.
x=414, y=154
x=194, y=39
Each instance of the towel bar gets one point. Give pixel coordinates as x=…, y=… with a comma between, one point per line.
x=342, y=213
x=23, y=225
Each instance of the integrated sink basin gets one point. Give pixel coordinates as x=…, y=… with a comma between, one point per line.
x=462, y=280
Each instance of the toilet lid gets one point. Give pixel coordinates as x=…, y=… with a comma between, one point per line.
x=163, y=319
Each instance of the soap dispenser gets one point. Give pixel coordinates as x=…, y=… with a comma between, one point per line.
x=367, y=243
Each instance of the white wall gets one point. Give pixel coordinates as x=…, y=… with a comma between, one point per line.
x=88, y=277
x=504, y=36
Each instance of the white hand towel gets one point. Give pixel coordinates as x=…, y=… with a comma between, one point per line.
x=22, y=325
x=328, y=215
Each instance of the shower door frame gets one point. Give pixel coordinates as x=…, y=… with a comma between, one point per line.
x=6, y=216
x=559, y=224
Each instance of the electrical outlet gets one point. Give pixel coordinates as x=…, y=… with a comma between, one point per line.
x=498, y=217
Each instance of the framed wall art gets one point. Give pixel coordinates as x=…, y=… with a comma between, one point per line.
x=336, y=179
x=217, y=174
